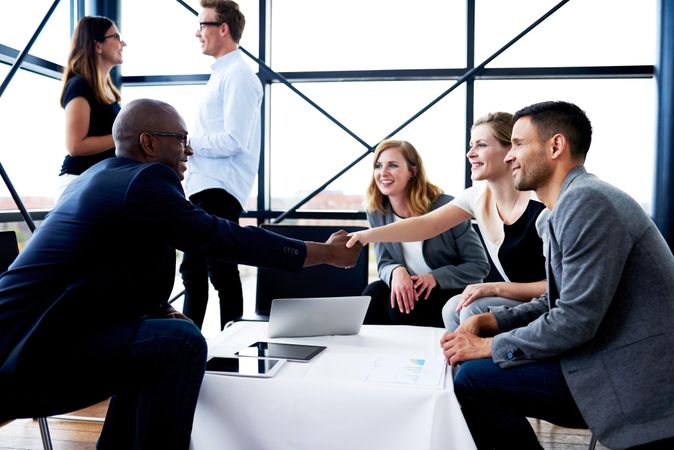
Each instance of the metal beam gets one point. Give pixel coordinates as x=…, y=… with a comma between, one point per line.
x=10, y=75
x=663, y=206
x=263, y=178
x=580, y=72
x=164, y=80
x=39, y=66
x=503, y=73
x=470, y=86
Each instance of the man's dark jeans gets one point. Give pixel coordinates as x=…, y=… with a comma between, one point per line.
x=496, y=402
x=154, y=381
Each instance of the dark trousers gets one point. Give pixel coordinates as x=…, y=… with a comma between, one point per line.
x=154, y=383
x=496, y=403
x=196, y=268
x=425, y=313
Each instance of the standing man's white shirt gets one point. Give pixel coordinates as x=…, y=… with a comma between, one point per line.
x=226, y=135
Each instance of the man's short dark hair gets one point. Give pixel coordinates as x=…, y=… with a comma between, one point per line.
x=561, y=117
x=228, y=12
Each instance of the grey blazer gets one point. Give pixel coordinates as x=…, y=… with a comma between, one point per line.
x=456, y=257
x=608, y=313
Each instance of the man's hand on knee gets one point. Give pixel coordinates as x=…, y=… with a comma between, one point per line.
x=461, y=346
x=168, y=312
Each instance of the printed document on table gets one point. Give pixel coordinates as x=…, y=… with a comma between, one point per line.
x=420, y=371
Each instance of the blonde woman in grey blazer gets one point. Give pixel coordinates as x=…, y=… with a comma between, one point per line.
x=416, y=278
x=597, y=350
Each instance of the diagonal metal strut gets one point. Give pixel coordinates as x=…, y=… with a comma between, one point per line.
x=12, y=71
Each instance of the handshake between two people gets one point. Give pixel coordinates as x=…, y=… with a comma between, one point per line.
x=334, y=251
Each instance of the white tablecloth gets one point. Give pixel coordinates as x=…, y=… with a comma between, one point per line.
x=325, y=404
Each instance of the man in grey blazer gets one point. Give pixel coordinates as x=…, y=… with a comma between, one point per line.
x=597, y=350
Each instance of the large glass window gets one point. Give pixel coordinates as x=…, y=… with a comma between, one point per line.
x=586, y=33
x=18, y=23
x=307, y=149
x=160, y=37
x=361, y=35
x=33, y=144
x=622, y=113
x=184, y=98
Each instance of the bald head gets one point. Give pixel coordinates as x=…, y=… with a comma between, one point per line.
x=138, y=116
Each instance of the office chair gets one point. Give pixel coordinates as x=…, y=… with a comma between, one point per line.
x=9, y=250
x=318, y=281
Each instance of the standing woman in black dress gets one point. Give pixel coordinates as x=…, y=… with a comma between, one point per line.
x=89, y=98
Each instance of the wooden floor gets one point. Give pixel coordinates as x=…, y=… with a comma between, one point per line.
x=80, y=435
x=24, y=434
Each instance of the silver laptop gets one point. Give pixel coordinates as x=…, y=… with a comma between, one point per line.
x=317, y=316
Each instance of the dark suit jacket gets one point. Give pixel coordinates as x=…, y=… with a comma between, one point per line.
x=608, y=313
x=105, y=257
x=456, y=257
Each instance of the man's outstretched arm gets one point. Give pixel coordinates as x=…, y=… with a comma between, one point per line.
x=333, y=251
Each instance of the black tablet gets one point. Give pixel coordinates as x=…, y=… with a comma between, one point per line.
x=243, y=367
x=291, y=352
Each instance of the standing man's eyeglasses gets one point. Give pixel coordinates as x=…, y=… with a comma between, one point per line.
x=180, y=136
x=209, y=24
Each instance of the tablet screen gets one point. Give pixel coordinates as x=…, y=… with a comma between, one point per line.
x=292, y=352
x=246, y=367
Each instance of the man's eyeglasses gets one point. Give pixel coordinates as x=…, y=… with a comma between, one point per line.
x=115, y=36
x=202, y=25
x=182, y=137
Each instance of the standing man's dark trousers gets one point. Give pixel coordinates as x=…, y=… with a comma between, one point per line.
x=196, y=269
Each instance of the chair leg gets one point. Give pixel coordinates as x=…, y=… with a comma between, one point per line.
x=44, y=433
x=593, y=442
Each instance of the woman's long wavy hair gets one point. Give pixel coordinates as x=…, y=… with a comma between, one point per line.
x=420, y=192
x=82, y=57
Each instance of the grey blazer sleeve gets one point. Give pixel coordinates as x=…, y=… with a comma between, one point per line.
x=588, y=247
x=509, y=318
x=386, y=262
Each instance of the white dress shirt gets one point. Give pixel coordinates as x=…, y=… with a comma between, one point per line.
x=226, y=135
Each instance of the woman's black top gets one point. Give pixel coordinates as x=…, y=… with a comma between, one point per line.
x=101, y=118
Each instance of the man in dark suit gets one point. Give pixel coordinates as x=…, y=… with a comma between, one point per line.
x=83, y=310
x=597, y=350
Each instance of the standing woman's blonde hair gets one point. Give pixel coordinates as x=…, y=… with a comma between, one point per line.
x=420, y=192
x=82, y=57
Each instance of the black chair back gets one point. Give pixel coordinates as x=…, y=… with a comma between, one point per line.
x=318, y=281
x=9, y=249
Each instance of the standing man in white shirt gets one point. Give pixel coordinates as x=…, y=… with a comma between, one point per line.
x=226, y=145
